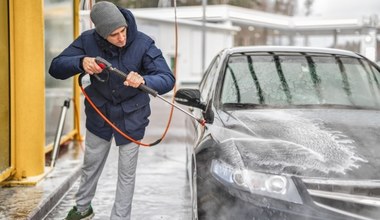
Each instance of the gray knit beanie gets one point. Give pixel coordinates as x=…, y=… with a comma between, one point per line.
x=107, y=18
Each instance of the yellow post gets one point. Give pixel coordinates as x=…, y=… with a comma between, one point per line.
x=28, y=80
x=76, y=92
x=6, y=153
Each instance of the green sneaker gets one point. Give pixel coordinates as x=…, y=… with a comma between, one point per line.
x=74, y=214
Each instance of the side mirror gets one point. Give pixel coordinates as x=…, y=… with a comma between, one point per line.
x=189, y=97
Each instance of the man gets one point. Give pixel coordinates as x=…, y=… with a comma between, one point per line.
x=116, y=39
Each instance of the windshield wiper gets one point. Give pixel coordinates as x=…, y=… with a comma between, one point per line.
x=299, y=106
x=244, y=105
x=332, y=106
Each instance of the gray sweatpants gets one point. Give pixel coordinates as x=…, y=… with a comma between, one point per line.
x=95, y=156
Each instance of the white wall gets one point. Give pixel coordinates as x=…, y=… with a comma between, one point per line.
x=189, y=61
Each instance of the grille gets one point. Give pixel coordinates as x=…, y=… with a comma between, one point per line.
x=355, y=199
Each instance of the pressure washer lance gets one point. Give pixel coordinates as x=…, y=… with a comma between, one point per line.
x=104, y=64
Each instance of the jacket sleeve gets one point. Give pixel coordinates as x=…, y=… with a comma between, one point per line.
x=158, y=75
x=69, y=62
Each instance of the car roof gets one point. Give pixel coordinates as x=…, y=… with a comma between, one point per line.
x=246, y=49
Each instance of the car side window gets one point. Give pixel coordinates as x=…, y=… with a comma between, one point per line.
x=208, y=79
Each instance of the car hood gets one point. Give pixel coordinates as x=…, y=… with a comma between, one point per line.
x=331, y=143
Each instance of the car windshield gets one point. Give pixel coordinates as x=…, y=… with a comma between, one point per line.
x=293, y=79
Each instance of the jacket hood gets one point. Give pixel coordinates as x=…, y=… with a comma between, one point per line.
x=312, y=143
x=132, y=27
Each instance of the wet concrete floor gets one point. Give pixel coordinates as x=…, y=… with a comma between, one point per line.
x=162, y=190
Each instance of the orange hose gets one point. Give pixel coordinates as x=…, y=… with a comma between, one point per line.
x=112, y=125
x=174, y=71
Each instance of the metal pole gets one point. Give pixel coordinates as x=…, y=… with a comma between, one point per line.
x=58, y=134
x=104, y=64
x=204, y=3
x=177, y=107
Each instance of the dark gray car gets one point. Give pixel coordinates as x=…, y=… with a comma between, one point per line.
x=291, y=133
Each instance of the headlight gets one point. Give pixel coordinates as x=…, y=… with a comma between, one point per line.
x=274, y=186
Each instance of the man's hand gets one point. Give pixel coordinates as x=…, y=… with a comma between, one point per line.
x=134, y=80
x=90, y=66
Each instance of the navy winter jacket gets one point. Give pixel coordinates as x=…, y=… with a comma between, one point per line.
x=127, y=107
